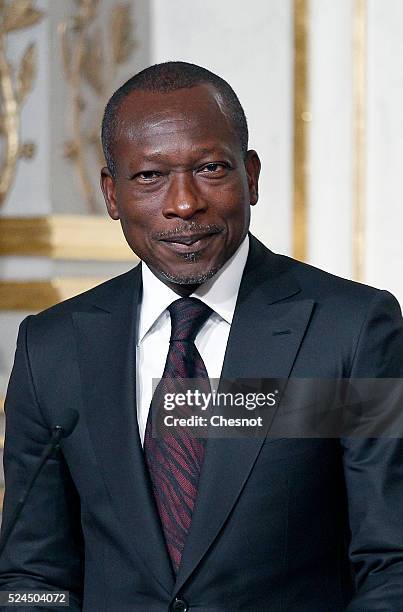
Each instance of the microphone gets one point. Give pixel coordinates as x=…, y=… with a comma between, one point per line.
x=69, y=420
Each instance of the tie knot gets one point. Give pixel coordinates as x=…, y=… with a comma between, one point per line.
x=187, y=317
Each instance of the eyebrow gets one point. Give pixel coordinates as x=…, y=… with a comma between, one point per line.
x=200, y=152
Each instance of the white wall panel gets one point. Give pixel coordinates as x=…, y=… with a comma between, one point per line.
x=384, y=187
x=330, y=155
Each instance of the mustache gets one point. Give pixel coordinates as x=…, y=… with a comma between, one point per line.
x=188, y=228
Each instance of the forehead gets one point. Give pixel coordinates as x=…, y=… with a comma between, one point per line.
x=198, y=113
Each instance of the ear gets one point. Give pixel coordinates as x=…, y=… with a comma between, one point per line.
x=252, y=165
x=109, y=190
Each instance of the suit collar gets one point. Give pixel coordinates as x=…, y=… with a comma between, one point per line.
x=114, y=295
x=269, y=274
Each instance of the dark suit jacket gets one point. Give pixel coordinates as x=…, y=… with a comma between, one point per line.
x=283, y=525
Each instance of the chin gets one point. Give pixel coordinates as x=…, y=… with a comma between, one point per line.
x=186, y=278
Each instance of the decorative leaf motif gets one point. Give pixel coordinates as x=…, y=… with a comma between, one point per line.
x=93, y=61
x=20, y=14
x=121, y=33
x=91, y=5
x=26, y=73
x=71, y=149
x=28, y=150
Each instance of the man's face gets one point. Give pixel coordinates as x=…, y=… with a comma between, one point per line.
x=183, y=187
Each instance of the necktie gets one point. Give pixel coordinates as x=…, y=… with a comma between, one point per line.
x=174, y=458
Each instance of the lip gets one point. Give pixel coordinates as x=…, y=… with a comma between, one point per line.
x=188, y=239
x=189, y=243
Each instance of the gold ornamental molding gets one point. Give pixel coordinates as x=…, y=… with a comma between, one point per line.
x=38, y=295
x=301, y=120
x=359, y=170
x=91, y=58
x=15, y=85
x=72, y=237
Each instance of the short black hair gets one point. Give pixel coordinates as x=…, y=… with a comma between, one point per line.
x=164, y=78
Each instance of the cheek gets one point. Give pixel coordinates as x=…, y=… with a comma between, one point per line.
x=237, y=214
x=230, y=206
x=231, y=192
x=135, y=210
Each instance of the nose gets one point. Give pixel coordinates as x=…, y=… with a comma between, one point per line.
x=183, y=199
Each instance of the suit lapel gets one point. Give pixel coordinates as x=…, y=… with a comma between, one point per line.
x=107, y=349
x=265, y=336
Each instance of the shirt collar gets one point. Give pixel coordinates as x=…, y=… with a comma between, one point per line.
x=220, y=292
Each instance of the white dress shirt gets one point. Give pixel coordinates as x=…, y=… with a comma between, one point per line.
x=154, y=326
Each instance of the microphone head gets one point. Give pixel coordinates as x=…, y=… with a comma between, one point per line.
x=67, y=422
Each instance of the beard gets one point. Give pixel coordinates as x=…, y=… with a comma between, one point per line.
x=189, y=258
x=189, y=279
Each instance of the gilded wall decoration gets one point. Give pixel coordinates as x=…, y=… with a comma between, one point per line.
x=301, y=121
x=15, y=85
x=91, y=56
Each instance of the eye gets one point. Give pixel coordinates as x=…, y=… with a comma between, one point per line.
x=147, y=176
x=214, y=168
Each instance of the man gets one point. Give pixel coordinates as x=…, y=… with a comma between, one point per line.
x=257, y=523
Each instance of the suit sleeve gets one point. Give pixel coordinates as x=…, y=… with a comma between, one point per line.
x=44, y=551
x=374, y=472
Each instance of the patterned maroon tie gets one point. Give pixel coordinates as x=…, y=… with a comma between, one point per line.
x=174, y=458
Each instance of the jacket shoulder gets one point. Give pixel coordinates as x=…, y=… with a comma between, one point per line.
x=318, y=282
x=342, y=295
x=105, y=292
